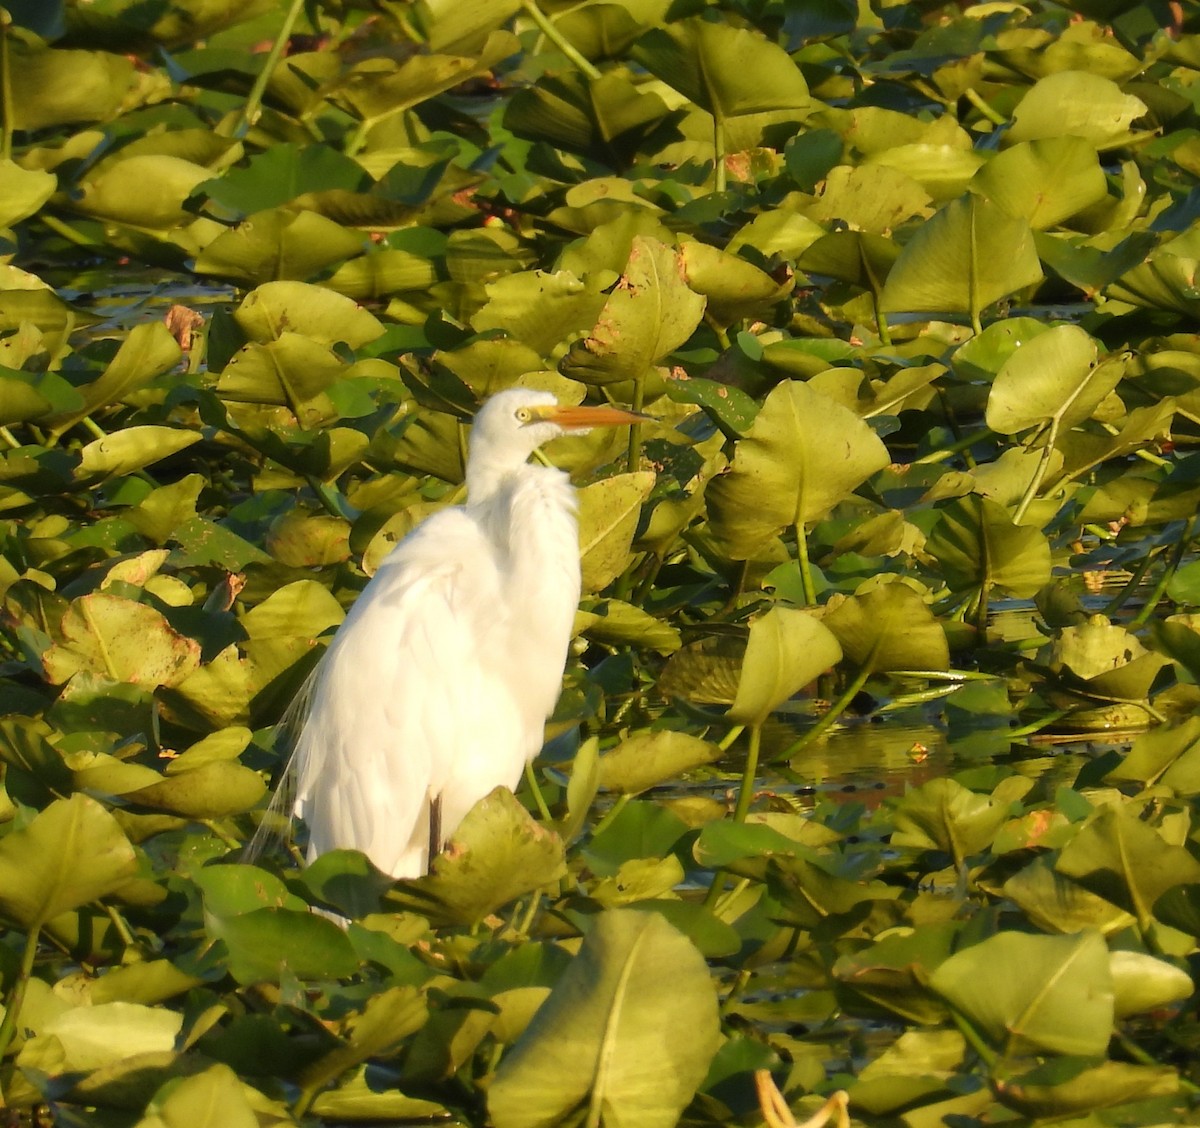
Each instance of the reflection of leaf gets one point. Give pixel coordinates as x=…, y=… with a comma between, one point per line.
x=608, y=1037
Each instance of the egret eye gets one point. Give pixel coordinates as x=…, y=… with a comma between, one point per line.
x=524, y=415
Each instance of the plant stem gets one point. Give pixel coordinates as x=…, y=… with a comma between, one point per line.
x=749, y=774
x=982, y=106
x=536, y=788
x=719, y=171
x=635, y=429
x=1168, y=572
x=253, y=104
x=611, y=814
x=6, y=99
x=1035, y=483
x=12, y=1005
x=831, y=715
x=806, y=579
x=558, y=39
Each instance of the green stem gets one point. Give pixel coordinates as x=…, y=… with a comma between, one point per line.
x=881, y=323
x=1039, y=475
x=6, y=98
x=1118, y=601
x=9, y=438
x=719, y=171
x=806, y=579
x=732, y=735
x=635, y=429
x=1168, y=572
x=558, y=39
x=987, y=111
x=832, y=714
x=535, y=787
x=611, y=814
x=749, y=774
x=12, y=1005
x=253, y=104
x=956, y=447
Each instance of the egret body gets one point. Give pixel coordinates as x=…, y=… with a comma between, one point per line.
x=436, y=687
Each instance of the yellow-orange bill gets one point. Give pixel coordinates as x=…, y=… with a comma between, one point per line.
x=590, y=416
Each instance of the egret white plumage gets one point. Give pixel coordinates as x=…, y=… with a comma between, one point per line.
x=436, y=687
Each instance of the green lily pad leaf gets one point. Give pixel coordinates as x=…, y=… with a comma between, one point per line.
x=278, y=244
x=725, y=70
x=1168, y=755
x=122, y=640
x=497, y=854
x=280, y=174
x=381, y=86
x=20, y=400
x=265, y=944
x=274, y=308
x=1111, y=660
x=99, y=1035
x=72, y=853
x=145, y=190
x=23, y=191
x=1054, y=378
x=647, y=759
x=605, y=118
x=616, y=623
x=857, y=257
x=293, y=371
x=57, y=87
x=1044, y=182
x=979, y=548
x=131, y=449
x=150, y=982
x=609, y=511
x=1073, y=103
x=1064, y=1086
x=969, y=255
x=707, y=672
x=944, y=815
x=1144, y=983
x=303, y=609
x=787, y=650
x=649, y=314
x=207, y=791
x=733, y=287
x=606, y=1039
x=809, y=894
x=1127, y=861
x=893, y=973
x=387, y=1019
x=212, y=1099
x=541, y=309
x=1057, y=904
x=889, y=627
x=145, y=354
x=730, y=408
x=462, y=23
x=803, y=454
x=1028, y=993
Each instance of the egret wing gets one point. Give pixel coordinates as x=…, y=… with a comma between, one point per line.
x=407, y=694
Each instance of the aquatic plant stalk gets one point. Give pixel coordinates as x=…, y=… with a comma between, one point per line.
x=547, y=28
x=253, y=104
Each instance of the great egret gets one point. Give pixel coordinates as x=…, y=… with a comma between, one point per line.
x=436, y=687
